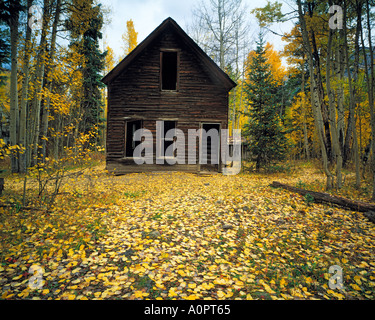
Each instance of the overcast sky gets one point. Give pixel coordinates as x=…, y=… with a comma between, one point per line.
x=148, y=14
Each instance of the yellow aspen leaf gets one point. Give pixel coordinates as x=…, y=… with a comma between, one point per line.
x=239, y=283
x=309, y=280
x=282, y=282
x=172, y=293
x=24, y=294
x=220, y=281
x=338, y=295
x=181, y=273
x=192, y=285
x=304, y=289
x=45, y=291
x=355, y=287
x=363, y=264
x=268, y=288
x=138, y=294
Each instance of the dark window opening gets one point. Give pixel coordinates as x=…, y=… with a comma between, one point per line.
x=210, y=149
x=169, y=71
x=131, y=144
x=168, y=125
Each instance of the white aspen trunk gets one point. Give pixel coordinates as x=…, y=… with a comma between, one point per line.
x=13, y=88
x=23, y=106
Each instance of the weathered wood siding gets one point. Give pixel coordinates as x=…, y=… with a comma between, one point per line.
x=136, y=93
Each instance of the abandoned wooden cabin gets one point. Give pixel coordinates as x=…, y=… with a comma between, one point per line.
x=169, y=78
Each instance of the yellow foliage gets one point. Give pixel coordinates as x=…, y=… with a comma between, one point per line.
x=239, y=102
x=109, y=60
x=298, y=114
x=274, y=59
x=129, y=37
x=4, y=93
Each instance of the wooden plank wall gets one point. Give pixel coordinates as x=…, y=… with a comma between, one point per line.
x=136, y=94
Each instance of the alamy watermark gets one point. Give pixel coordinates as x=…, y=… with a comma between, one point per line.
x=36, y=20
x=171, y=147
x=36, y=281
x=336, y=281
x=337, y=20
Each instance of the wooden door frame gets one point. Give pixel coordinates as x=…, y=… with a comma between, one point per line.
x=201, y=124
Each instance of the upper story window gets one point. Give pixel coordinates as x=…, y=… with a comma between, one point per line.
x=169, y=70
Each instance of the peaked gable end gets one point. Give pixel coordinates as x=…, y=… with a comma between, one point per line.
x=170, y=26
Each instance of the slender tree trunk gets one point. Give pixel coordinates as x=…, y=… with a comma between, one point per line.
x=369, y=93
x=25, y=88
x=30, y=128
x=13, y=83
x=305, y=137
x=340, y=61
x=332, y=114
x=320, y=94
x=315, y=99
x=39, y=80
x=371, y=96
x=221, y=32
x=351, y=130
x=49, y=82
x=356, y=159
x=57, y=137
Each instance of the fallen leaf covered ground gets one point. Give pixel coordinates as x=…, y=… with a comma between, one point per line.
x=183, y=236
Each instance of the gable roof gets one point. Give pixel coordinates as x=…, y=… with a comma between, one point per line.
x=227, y=82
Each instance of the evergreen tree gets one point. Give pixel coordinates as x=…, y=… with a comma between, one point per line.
x=92, y=73
x=264, y=130
x=5, y=14
x=86, y=33
x=4, y=52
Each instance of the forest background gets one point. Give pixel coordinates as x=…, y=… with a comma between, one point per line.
x=318, y=106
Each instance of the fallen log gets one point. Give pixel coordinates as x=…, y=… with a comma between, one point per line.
x=20, y=208
x=322, y=197
x=1, y=185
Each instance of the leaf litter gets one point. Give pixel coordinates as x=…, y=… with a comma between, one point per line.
x=182, y=236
